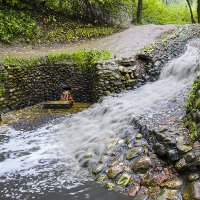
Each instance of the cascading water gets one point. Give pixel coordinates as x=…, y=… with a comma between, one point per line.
x=48, y=159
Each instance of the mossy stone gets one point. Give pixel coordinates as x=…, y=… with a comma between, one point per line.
x=124, y=180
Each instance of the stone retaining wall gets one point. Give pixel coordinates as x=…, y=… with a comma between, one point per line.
x=23, y=87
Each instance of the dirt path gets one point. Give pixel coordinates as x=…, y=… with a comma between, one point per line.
x=122, y=44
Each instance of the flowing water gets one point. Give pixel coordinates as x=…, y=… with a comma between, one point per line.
x=45, y=163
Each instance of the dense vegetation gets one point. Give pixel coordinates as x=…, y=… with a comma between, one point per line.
x=47, y=21
x=193, y=110
x=26, y=26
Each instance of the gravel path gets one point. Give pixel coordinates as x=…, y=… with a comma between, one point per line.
x=122, y=44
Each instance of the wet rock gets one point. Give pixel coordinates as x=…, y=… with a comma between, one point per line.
x=2, y=158
x=161, y=176
x=103, y=159
x=134, y=190
x=166, y=194
x=193, y=177
x=124, y=180
x=110, y=186
x=198, y=161
x=153, y=190
x=184, y=148
x=85, y=159
x=98, y=168
x=173, y=155
x=142, y=164
x=189, y=156
x=141, y=197
x=160, y=136
x=192, y=191
x=160, y=149
x=100, y=178
x=121, y=141
x=111, y=144
x=115, y=161
x=139, y=136
x=115, y=170
x=181, y=165
x=173, y=184
x=130, y=154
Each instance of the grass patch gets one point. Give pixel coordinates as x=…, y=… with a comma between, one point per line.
x=82, y=58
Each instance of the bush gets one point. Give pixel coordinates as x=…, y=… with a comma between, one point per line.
x=16, y=24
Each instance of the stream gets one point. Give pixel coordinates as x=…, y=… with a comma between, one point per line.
x=46, y=162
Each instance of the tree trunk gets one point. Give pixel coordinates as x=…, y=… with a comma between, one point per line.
x=139, y=12
x=189, y=5
x=198, y=10
x=134, y=11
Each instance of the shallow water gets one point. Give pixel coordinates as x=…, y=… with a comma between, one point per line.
x=46, y=161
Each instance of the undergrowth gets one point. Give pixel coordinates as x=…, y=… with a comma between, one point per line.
x=30, y=26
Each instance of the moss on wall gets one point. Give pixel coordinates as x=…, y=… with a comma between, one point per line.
x=193, y=110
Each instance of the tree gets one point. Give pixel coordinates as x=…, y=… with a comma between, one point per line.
x=139, y=11
x=191, y=13
x=198, y=10
x=134, y=11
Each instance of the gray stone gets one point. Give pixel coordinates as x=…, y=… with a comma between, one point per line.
x=192, y=191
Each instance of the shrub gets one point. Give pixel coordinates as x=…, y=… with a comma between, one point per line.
x=16, y=24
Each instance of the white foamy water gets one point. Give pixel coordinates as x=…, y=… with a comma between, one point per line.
x=56, y=149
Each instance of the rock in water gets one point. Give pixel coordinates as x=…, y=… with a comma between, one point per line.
x=192, y=191
x=142, y=164
x=115, y=170
x=124, y=180
x=134, y=190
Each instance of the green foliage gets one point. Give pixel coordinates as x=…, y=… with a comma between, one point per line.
x=193, y=109
x=1, y=91
x=92, y=10
x=73, y=31
x=83, y=58
x=2, y=78
x=21, y=63
x=157, y=12
x=192, y=96
x=15, y=24
x=34, y=27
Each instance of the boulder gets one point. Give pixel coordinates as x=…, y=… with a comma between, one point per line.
x=192, y=191
x=115, y=170
x=142, y=164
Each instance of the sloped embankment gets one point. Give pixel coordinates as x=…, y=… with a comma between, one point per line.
x=193, y=111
